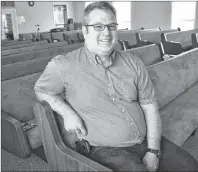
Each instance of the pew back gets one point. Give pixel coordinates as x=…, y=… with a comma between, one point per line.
x=183, y=37
x=169, y=77
x=21, y=45
x=32, y=48
x=14, y=42
x=149, y=54
x=17, y=88
x=39, y=53
x=154, y=36
x=130, y=35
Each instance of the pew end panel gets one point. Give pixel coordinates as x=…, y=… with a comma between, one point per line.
x=140, y=42
x=194, y=37
x=173, y=48
x=58, y=36
x=59, y=156
x=13, y=138
x=47, y=36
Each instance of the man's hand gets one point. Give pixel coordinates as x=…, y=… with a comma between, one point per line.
x=151, y=161
x=74, y=123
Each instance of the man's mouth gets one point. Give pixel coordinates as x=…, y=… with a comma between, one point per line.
x=105, y=40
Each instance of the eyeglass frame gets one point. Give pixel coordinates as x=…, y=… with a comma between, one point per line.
x=105, y=25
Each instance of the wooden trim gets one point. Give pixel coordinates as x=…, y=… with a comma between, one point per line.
x=60, y=157
x=13, y=138
x=194, y=37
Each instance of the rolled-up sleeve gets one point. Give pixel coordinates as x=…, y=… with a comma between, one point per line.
x=146, y=91
x=50, y=80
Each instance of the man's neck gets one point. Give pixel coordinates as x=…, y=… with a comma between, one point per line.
x=104, y=58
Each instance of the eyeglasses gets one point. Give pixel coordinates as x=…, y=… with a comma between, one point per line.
x=101, y=27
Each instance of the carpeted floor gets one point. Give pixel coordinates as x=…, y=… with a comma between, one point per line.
x=9, y=162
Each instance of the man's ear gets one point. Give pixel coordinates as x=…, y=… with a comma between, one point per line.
x=84, y=31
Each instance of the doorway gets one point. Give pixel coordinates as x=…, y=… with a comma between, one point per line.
x=9, y=27
x=60, y=15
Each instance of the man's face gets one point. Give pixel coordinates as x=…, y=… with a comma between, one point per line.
x=100, y=42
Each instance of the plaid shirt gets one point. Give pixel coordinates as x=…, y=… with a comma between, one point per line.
x=107, y=97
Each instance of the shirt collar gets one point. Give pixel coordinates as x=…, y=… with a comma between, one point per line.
x=96, y=59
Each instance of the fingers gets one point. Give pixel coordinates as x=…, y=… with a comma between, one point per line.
x=83, y=130
x=80, y=131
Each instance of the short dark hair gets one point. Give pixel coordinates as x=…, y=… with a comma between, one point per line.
x=102, y=5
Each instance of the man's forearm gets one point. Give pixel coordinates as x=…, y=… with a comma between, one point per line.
x=154, y=125
x=56, y=102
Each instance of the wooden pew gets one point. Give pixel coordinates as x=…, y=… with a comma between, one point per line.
x=194, y=37
x=130, y=36
x=57, y=142
x=38, y=53
x=32, y=48
x=60, y=157
x=177, y=42
x=18, y=98
x=20, y=45
x=152, y=37
x=58, y=36
x=15, y=42
x=149, y=54
x=25, y=36
x=22, y=68
x=47, y=36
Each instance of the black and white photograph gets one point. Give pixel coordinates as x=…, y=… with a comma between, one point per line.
x=99, y=86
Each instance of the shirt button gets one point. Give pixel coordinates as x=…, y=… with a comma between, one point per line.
x=123, y=110
x=109, y=85
x=113, y=98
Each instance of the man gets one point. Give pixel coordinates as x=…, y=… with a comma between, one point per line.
x=110, y=99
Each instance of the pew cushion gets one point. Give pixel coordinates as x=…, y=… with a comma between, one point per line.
x=180, y=117
x=172, y=77
x=18, y=97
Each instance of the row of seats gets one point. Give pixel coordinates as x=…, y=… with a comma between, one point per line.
x=18, y=99
x=172, y=41
x=19, y=73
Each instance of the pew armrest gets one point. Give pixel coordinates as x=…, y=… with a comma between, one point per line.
x=124, y=44
x=13, y=138
x=173, y=48
x=194, y=38
x=168, y=56
x=144, y=42
x=59, y=156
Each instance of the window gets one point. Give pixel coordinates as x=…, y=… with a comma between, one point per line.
x=183, y=15
x=123, y=10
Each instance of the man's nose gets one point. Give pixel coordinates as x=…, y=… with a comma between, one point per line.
x=106, y=30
